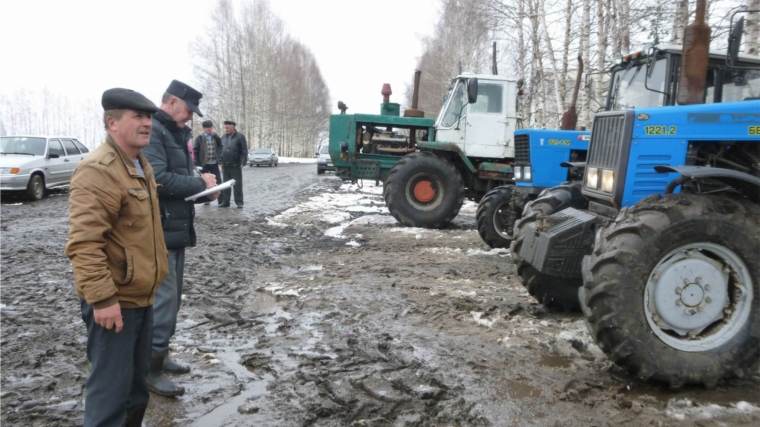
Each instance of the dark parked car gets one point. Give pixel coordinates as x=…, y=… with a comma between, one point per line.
x=324, y=162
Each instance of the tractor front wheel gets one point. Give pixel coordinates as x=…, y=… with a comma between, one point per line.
x=672, y=289
x=495, y=217
x=554, y=293
x=424, y=190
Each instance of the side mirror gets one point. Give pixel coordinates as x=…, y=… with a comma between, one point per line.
x=735, y=41
x=344, y=147
x=53, y=156
x=472, y=90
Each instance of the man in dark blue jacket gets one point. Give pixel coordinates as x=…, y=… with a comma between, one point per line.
x=172, y=164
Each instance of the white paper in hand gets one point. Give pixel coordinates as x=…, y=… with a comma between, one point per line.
x=212, y=190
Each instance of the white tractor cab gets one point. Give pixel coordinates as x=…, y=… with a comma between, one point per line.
x=486, y=128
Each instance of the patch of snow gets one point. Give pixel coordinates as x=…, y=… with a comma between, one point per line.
x=365, y=209
x=746, y=407
x=275, y=223
x=463, y=294
x=374, y=219
x=335, y=217
x=311, y=268
x=297, y=160
x=447, y=251
x=336, y=232
x=2, y=306
x=288, y=293
x=478, y=318
x=495, y=251
x=410, y=230
x=353, y=244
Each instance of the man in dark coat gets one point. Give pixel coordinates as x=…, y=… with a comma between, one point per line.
x=206, y=149
x=172, y=164
x=234, y=157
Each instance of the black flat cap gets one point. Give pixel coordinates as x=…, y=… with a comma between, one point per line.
x=230, y=122
x=118, y=98
x=207, y=124
x=186, y=93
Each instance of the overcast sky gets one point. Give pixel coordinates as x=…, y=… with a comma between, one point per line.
x=83, y=47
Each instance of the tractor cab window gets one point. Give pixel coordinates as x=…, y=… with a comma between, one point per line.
x=457, y=100
x=490, y=99
x=739, y=84
x=629, y=90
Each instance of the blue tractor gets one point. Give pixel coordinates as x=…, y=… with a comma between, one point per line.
x=664, y=259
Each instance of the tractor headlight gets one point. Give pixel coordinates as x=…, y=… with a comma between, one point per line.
x=608, y=180
x=527, y=173
x=518, y=172
x=592, y=178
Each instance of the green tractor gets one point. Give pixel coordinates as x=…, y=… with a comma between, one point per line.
x=428, y=166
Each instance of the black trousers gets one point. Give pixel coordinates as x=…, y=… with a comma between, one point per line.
x=120, y=364
x=213, y=168
x=233, y=172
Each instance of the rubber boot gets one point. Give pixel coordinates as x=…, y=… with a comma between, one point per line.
x=135, y=415
x=174, y=367
x=158, y=382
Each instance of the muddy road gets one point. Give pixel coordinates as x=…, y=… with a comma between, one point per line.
x=313, y=307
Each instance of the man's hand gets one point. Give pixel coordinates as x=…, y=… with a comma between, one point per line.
x=210, y=180
x=109, y=317
x=242, y=166
x=214, y=196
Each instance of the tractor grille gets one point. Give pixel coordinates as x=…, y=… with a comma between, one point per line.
x=522, y=149
x=606, y=141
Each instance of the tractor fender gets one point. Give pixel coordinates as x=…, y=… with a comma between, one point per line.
x=748, y=184
x=450, y=147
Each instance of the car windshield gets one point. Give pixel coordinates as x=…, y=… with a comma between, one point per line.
x=262, y=151
x=22, y=145
x=325, y=150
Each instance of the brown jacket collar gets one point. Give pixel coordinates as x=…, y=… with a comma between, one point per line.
x=128, y=164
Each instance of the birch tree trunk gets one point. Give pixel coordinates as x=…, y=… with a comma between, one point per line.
x=752, y=28
x=586, y=55
x=680, y=21
x=551, y=58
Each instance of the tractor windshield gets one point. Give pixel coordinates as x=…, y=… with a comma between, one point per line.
x=741, y=84
x=456, y=99
x=629, y=90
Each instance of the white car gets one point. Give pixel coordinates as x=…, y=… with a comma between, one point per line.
x=35, y=163
x=263, y=156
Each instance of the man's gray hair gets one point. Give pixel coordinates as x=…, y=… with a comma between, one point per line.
x=116, y=113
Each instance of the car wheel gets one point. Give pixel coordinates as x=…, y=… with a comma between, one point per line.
x=36, y=188
x=250, y=165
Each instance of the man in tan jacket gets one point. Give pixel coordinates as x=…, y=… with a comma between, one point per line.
x=116, y=246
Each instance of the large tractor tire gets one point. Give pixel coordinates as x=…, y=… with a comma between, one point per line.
x=555, y=293
x=494, y=220
x=672, y=289
x=424, y=190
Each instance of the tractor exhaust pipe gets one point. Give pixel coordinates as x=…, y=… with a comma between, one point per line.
x=414, y=112
x=696, y=52
x=570, y=118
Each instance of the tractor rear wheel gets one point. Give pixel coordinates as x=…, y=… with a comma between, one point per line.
x=424, y=190
x=554, y=293
x=495, y=219
x=672, y=289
